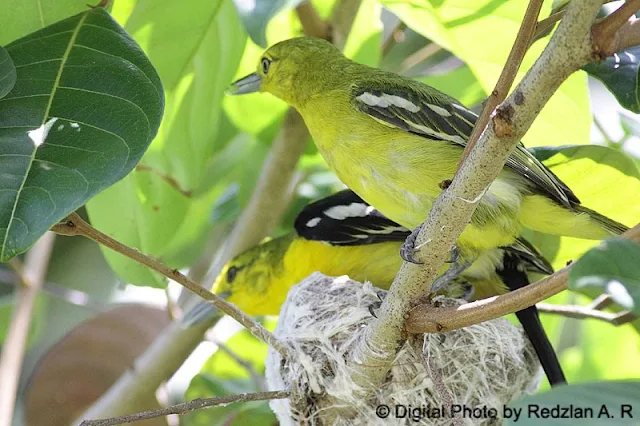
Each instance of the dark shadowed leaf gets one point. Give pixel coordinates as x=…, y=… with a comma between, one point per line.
x=7, y=72
x=614, y=268
x=256, y=14
x=612, y=403
x=85, y=106
x=620, y=74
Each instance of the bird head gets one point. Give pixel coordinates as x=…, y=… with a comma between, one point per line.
x=291, y=70
x=247, y=280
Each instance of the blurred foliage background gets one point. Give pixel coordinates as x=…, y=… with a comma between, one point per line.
x=183, y=198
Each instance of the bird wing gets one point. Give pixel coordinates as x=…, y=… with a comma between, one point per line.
x=424, y=111
x=346, y=219
x=529, y=257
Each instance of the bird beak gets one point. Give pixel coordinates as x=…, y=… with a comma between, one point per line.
x=248, y=84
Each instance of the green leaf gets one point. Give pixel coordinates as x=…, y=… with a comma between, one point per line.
x=86, y=105
x=620, y=74
x=612, y=267
x=481, y=33
x=20, y=18
x=170, y=193
x=7, y=72
x=600, y=403
x=256, y=14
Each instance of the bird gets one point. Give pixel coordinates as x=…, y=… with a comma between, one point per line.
x=343, y=235
x=396, y=142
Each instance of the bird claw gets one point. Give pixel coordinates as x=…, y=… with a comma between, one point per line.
x=408, y=249
x=375, y=306
x=454, y=255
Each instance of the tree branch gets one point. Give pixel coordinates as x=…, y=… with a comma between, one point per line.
x=31, y=276
x=312, y=24
x=187, y=407
x=568, y=49
x=508, y=75
x=75, y=225
x=429, y=319
x=615, y=32
x=586, y=312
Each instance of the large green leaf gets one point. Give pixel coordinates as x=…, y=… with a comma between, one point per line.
x=20, y=18
x=481, y=33
x=196, y=50
x=603, y=403
x=620, y=74
x=612, y=267
x=7, y=72
x=85, y=107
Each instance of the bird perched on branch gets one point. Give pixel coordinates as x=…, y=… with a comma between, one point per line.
x=343, y=235
x=395, y=141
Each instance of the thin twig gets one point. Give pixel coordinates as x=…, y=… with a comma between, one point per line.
x=546, y=24
x=508, y=75
x=31, y=275
x=75, y=225
x=610, y=142
x=601, y=302
x=430, y=319
x=586, y=312
x=187, y=407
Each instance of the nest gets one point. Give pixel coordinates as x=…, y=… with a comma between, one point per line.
x=464, y=377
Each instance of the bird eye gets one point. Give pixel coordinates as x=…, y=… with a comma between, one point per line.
x=231, y=273
x=265, y=65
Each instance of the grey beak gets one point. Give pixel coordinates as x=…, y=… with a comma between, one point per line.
x=248, y=84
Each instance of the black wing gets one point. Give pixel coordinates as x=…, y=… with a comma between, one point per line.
x=346, y=219
x=423, y=110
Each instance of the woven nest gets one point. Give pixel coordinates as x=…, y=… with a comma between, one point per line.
x=472, y=370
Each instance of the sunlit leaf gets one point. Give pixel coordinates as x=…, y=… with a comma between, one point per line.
x=168, y=210
x=20, y=18
x=481, y=33
x=7, y=72
x=86, y=105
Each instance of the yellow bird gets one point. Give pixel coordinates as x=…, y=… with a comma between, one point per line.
x=343, y=235
x=394, y=140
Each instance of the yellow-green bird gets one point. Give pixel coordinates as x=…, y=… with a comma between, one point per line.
x=343, y=235
x=394, y=140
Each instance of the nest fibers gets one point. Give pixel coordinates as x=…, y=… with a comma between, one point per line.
x=473, y=371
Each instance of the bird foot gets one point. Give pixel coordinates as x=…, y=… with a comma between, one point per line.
x=409, y=249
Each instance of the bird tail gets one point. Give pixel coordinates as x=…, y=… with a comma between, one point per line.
x=533, y=328
x=609, y=225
